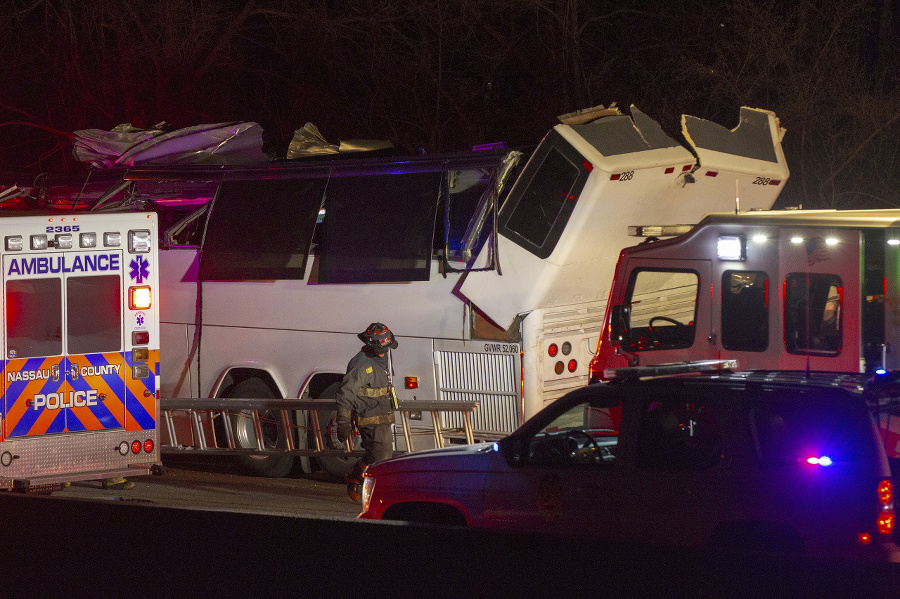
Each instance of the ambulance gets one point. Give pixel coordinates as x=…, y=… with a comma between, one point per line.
x=80, y=347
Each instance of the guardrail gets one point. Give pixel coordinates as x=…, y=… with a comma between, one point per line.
x=197, y=408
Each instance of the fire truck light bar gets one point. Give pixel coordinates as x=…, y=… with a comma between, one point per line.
x=658, y=230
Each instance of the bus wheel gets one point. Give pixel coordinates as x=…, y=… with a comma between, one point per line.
x=336, y=466
x=274, y=466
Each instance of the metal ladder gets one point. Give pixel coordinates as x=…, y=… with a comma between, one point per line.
x=197, y=408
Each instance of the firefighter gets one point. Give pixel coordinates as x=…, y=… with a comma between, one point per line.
x=367, y=393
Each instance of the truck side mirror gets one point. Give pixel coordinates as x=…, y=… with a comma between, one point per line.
x=619, y=324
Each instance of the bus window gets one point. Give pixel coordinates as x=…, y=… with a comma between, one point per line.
x=745, y=310
x=663, y=309
x=261, y=230
x=468, y=199
x=379, y=228
x=813, y=313
x=535, y=215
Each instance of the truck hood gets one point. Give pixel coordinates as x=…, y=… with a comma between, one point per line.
x=479, y=456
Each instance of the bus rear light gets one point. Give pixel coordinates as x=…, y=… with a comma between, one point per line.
x=148, y=446
x=412, y=382
x=552, y=350
x=140, y=337
x=139, y=298
x=886, y=522
x=136, y=446
x=559, y=367
x=572, y=366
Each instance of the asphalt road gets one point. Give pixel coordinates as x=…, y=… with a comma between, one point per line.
x=221, y=485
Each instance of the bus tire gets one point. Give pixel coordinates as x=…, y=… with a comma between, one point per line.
x=335, y=466
x=272, y=466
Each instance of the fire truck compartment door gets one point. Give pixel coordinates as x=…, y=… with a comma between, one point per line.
x=65, y=368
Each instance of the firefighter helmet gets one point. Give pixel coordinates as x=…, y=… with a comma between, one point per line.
x=378, y=337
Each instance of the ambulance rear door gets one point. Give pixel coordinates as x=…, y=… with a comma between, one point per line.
x=65, y=367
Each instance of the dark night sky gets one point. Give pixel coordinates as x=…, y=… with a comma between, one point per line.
x=446, y=74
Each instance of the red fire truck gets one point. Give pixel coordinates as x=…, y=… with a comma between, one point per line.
x=782, y=290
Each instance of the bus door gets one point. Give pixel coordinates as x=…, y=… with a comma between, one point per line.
x=667, y=311
x=65, y=370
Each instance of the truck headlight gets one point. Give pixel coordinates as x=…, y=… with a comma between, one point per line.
x=368, y=488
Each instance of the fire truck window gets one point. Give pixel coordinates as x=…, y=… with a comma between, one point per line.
x=33, y=318
x=379, y=228
x=93, y=314
x=745, y=310
x=813, y=314
x=261, y=230
x=663, y=309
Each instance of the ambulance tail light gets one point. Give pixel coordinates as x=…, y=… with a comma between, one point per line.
x=148, y=446
x=139, y=298
x=412, y=382
x=140, y=337
x=136, y=447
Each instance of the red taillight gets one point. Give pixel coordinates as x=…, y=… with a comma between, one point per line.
x=148, y=445
x=135, y=447
x=886, y=492
x=552, y=350
x=572, y=365
x=140, y=337
x=886, y=516
x=412, y=382
x=139, y=298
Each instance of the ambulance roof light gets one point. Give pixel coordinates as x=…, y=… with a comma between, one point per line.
x=13, y=243
x=112, y=239
x=139, y=241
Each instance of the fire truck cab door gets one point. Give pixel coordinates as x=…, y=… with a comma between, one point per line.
x=65, y=367
x=669, y=310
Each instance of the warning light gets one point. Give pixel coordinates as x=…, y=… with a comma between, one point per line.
x=412, y=382
x=821, y=461
x=136, y=447
x=148, y=445
x=139, y=298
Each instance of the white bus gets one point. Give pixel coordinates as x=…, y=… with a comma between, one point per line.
x=492, y=270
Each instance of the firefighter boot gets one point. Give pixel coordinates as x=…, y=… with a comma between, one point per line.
x=354, y=480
